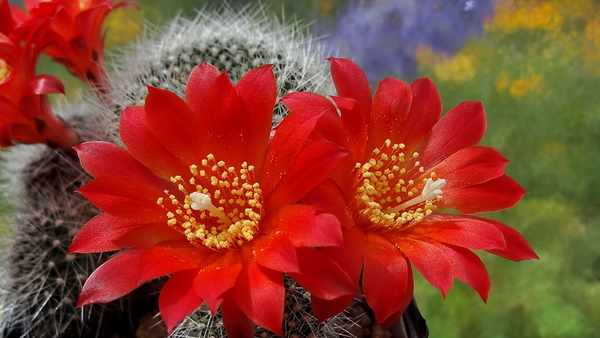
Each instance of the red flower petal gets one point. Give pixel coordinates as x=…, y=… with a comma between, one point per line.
x=387, y=277
x=517, y=248
x=167, y=258
x=325, y=279
x=237, y=324
x=260, y=294
x=200, y=79
x=500, y=193
x=178, y=299
x=10, y=112
x=425, y=111
x=7, y=23
x=89, y=22
x=125, y=197
x=107, y=233
x=24, y=133
x=350, y=81
x=290, y=138
x=303, y=100
x=275, y=252
x=115, y=278
x=324, y=309
x=467, y=267
x=329, y=125
x=215, y=279
x=258, y=92
x=175, y=125
x=45, y=84
x=313, y=164
x=304, y=227
x=105, y=159
x=391, y=106
x=143, y=145
x=431, y=262
x=468, y=233
x=463, y=126
x=355, y=126
x=470, y=166
x=327, y=197
x=227, y=123
x=349, y=257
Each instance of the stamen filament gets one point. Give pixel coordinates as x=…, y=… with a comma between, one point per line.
x=203, y=202
x=431, y=190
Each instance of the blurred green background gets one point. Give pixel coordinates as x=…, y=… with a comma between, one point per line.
x=536, y=67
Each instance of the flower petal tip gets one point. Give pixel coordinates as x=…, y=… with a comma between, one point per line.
x=83, y=300
x=72, y=249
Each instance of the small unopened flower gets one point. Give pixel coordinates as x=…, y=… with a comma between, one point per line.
x=204, y=192
x=406, y=163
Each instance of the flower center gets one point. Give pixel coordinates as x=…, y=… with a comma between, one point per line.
x=218, y=207
x=392, y=191
x=5, y=71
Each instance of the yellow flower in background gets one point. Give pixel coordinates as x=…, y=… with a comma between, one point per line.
x=502, y=81
x=325, y=7
x=519, y=87
x=549, y=15
x=592, y=45
x=513, y=15
x=122, y=26
x=525, y=85
x=458, y=68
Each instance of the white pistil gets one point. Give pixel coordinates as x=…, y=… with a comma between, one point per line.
x=431, y=190
x=203, y=202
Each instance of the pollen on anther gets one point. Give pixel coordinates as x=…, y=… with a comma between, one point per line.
x=205, y=224
x=387, y=198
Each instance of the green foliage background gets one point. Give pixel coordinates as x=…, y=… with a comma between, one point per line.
x=539, y=85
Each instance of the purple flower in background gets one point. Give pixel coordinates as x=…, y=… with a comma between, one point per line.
x=382, y=36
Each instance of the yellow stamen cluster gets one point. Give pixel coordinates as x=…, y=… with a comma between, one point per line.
x=5, y=71
x=221, y=206
x=386, y=197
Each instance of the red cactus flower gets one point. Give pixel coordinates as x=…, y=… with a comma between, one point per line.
x=405, y=163
x=74, y=37
x=25, y=113
x=204, y=194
